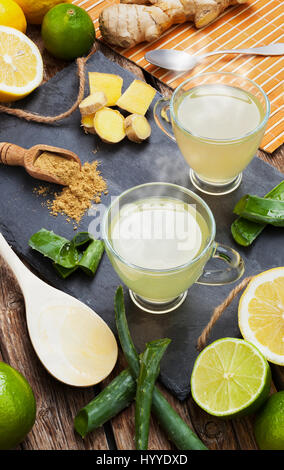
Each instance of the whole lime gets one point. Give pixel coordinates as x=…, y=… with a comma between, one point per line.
x=67, y=31
x=17, y=407
x=269, y=424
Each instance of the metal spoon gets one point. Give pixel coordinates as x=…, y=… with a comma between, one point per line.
x=180, y=61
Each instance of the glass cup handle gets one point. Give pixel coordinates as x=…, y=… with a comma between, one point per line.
x=161, y=116
x=232, y=273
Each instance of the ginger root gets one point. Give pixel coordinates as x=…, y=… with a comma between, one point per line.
x=134, y=21
x=93, y=103
x=88, y=124
x=137, y=98
x=109, y=83
x=109, y=125
x=137, y=128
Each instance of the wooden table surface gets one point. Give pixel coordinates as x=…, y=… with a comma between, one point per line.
x=58, y=404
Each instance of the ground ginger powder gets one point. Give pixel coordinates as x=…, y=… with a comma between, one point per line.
x=63, y=168
x=82, y=187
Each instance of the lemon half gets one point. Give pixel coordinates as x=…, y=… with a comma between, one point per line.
x=21, y=66
x=261, y=314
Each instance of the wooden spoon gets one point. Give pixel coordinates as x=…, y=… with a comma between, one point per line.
x=73, y=343
x=11, y=154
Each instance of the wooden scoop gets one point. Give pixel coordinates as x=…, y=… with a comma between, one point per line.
x=73, y=343
x=11, y=154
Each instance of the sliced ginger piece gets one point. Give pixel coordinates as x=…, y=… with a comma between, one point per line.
x=93, y=103
x=109, y=83
x=137, y=128
x=137, y=98
x=109, y=125
x=88, y=123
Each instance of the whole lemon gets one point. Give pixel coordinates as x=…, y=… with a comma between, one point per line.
x=12, y=15
x=36, y=9
x=17, y=407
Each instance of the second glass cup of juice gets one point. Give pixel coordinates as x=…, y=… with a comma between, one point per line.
x=159, y=237
x=218, y=120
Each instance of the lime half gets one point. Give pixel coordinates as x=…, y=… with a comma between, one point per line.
x=230, y=378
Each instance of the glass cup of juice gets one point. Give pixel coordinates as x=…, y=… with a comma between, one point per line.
x=218, y=120
x=159, y=237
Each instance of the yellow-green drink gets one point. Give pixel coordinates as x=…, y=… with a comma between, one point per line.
x=159, y=234
x=219, y=113
x=218, y=120
x=158, y=237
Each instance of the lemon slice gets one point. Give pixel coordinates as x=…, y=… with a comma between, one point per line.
x=261, y=314
x=230, y=378
x=21, y=67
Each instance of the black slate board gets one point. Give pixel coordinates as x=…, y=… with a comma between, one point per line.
x=125, y=165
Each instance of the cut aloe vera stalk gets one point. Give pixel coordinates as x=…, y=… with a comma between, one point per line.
x=149, y=371
x=261, y=210
x=245, y=231
x=230, y=378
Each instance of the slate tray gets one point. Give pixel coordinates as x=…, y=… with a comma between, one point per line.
x=125, y=165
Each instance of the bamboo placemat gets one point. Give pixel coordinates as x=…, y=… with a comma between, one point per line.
x=259, y=22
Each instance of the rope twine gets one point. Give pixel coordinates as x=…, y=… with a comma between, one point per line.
x=218, y=311
x=28, y=116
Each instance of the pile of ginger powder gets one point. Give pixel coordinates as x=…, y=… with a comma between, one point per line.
x=83, y=188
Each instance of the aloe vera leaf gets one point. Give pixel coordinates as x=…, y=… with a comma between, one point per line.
x=260, y=209
x=125, y=339
x=64, y=272
x=89, y=260
x=92, y=257
x=149, y=371
x=57, y=248
x=245, y=231
x=65, y=254
x=277, y=192
x=174, y=426
x=82, y=238
x=117, y=395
